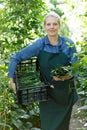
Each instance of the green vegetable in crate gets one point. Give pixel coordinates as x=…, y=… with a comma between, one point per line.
x=61, y=73
x=28, y=79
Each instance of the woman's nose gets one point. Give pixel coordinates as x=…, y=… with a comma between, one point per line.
x=51, y=26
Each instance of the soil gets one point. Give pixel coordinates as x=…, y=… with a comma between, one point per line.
x=76, y=123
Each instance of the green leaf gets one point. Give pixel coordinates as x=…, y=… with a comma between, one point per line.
x=35, y=129
x=83, y=108
x=6, y=125
x=28, y=125
x=18, y=123
x=25, y=116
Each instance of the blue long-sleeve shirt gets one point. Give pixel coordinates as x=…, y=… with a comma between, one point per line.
x=65, y=45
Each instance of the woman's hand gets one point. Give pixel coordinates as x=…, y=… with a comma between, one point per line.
x=13, y=85
x=67, y=77
x=62, y=78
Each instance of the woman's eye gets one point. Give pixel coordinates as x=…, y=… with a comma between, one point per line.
x=48, y=24
x=52, y=24
x=55, y=24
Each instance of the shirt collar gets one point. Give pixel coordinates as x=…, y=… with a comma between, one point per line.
x=48, y=43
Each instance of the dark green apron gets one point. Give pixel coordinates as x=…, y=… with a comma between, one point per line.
x=55, y=113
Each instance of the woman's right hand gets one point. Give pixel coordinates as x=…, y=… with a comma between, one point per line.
x=62, y=78
x=13, y=85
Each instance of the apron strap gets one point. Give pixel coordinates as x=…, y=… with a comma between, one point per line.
x=42, y=77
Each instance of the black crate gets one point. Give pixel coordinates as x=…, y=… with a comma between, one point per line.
x=30, y=94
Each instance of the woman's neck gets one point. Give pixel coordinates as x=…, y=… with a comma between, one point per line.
x=53, y=40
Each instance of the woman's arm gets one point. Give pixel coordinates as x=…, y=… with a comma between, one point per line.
x=13, y=85
x=24, y=54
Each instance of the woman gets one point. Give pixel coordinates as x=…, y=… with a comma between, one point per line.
x=51, y=50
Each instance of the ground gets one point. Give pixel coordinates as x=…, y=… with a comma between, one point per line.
x=76, y=123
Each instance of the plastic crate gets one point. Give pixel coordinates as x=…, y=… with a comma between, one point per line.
x=30, y=94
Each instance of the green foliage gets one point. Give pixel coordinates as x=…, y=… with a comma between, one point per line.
x=21, y=24
x=82, y=79
x=12, y=114
x=60, y=71
x=30, y=78
x=82, y=55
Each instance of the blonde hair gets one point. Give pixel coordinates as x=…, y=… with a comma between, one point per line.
x=52, y=14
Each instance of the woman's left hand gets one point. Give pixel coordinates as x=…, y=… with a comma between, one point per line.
x=62, y=78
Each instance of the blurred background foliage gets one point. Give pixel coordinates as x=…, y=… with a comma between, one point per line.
x=21, y=22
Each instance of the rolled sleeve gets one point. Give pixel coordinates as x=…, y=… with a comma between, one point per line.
x=24, y=54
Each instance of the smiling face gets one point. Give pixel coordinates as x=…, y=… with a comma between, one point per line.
x=52, y=26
